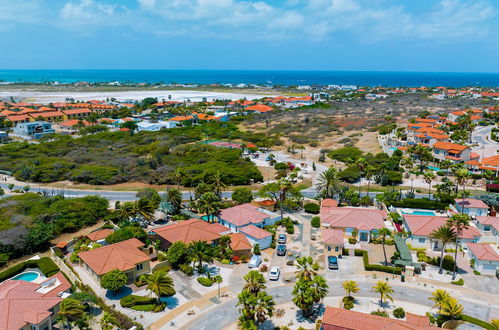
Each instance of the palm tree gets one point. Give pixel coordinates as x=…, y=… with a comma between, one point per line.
x=201, y=189
x=384, y=289
x=451, y=308
x=383, y=233
x=302, y=297
x=200, y=251
x=174, y=197
x=445, y=165
x=327, y=185
x=488, y=176
x=209, y=203
x=178, y=174
x=218, y=184
x=70, y=309
x=161, y=284
x=144, y=208
x=350, y=287
x=264, y=306
x=361, y=164
x=462, y=175
x=319, y=288
x=495, y=323
x=429, y=176
x=438, y=297
x=255, y=282
x=224, y=243
x=446, y=235
x=459, y=222
x=368, y=173
x=306, y=267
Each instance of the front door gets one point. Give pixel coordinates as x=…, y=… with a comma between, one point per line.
x=435, y=245
x=363, y=236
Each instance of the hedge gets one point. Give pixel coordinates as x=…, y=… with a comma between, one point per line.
x=458, y=282
x=480, y=323
x=204, y=281
x=375, y=267
x=419, y=203
x=45, y=264
x=133, y=300
x=312, y=208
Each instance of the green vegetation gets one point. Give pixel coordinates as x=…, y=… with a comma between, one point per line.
x=242, y=195
x=114, y=280
x=459, y=282
x=125, y=233
x=114, y=157
x=316, y=222
x=375, y=267
x=45, y=264
x=312, y=208
x=419, y=204
x=480, y=323
x=255, y=305
x=399, y=313
x=204, y=281
x=140, y=303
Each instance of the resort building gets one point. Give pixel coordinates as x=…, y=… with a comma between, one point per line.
x=31, y=306
x=472, y=207
x=485, y=256
x=126, y=256
x=340, y=319
x=33, y=130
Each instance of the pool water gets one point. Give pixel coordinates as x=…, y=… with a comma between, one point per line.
x=430, y=213
x=28, y=276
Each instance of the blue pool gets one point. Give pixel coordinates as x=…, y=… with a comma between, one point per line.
x=27, y=276
x=420, y=213
x=433, y=168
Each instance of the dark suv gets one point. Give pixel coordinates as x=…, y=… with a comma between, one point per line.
x=332, y=262
x=281, y=250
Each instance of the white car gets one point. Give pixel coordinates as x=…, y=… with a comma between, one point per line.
x=274, y=273
x=255, y=261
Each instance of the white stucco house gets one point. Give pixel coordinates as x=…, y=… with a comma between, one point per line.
x=257, y=236
x=485, y=256
x=154, y=127
x=244, y=215
x=472, y=207
x=489, y=227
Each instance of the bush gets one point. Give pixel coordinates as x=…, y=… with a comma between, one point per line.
x=351, y=174
x=114, y=280
x=205, y=281
x=187, y=269
x=458, y=282
x=375, y=267
x=312, y=208
x=348, y=302
x=345, y=252
x=244, y=259
x=242, y=195
x=399, y=313
x=126, y=233
x=476, y=272
x=352, y=240
x=316, y=222
x=133, y=300
x=418, y=203
x=290, y=262
x=142, y=280
x=256, y=249
x=380, y=312
x=448, y=263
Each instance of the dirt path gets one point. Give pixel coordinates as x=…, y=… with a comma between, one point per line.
x=82, y=232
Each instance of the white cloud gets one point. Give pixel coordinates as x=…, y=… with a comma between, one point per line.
x=93, y=14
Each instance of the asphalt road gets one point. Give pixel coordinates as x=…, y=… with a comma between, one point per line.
x=226, y=314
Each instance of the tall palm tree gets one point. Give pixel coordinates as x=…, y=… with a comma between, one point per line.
x=201, y=189
x=303, y=298
x=319, y=288
x=383, y=233
x=368, y=173
x=429, y=176
x=144, y=208
x=445, y=165
x=438, y=297
x=350, y=287
x=384, y=289
x=327, y=185
x=462, y=176
x=458, y=222
x=264, y=306
x=174, y=197
x=70, y=309
x=255, y=282
x=200, y=251
x=361, y=164
x=217, y=183
x=178, y=174
x=209, y=204
x=224, y=242
x=446, y=235
x=126, y=211
x=306, y=267
x=161, y=284
x=451, y=308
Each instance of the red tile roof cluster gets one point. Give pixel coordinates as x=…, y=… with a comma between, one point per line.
x=259, y=108
x=449, y=146
x=239, y=242
x=100, y=234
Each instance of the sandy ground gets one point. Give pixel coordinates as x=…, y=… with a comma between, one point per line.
x=48, y=97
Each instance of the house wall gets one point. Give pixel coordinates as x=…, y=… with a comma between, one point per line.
x=264, y=242
x=484, y=266
x=471, y=211
x=332, y=249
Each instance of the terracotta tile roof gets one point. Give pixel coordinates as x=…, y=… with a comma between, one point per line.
x=77, y=111
x=267, y=202
x=474, y=155
x=483, y=251
x=47, y=114
x=21, y=303
x=332, y=236
x=15, y=118
x=123, y=256
x=473, y=163
x=191, y=230
x=349, y=217
x=239, y=242
x=254, y=231
x=339, y=318
x=73, y=122
x=491, y=161
x=259, y=108
x=243, y=214
x=181, y=118
x=100, y=234
x=62, y=245
x=471, y=203
x=424, y=225
x=449, y=146
x=486, y=220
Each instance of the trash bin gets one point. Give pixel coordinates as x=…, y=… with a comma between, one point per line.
x=402, y=278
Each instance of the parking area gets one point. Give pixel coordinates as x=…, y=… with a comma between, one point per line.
x=347, y=265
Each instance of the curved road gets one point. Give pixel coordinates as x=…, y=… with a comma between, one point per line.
x=226, y=314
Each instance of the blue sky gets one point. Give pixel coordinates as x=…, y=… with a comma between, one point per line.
x=403, y=35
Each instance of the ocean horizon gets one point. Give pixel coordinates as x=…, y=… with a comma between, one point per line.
x=261, y=77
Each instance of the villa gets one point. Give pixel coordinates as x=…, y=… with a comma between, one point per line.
x=33, y=130
x=421, y=227
x=349, y=220
x=338, y=318
x=99, y=236
x=257, y=236
x=472, y=207
x=244, y=215
x=489, y=227
x=485, y=256
x=456, y=153
x=333, y=240
x=31, y=306
x=126, y=256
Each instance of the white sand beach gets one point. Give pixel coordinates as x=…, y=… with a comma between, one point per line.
x=49, y=97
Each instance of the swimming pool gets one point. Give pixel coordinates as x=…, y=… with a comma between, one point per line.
x=26, y=276
x=430, y=213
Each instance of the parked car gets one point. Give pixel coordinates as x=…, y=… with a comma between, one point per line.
x=332, y=262
x=274, y=273
x=281, y=250
x=255, y=261
x=281, y=239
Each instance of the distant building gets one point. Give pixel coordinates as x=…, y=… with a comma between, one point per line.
x=154, y=127
x=33, y=130
x=472, y=207
x=3, y=136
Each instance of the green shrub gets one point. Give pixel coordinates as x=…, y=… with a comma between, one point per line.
x=458, y=282
x=399, y=313
x=380, y=312
x=352, y=240
x=478, y=322
x=476, y=272
x=316, y=222
x=187, y=270
x=133, y=300
x=345, y=252
x=45, y=264
x=204, y=281
x=312, y=208
x=418, y=203
x=348, y=302
x=375, y=267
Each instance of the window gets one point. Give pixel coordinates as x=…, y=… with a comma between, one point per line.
x=336, y=248
x=329, y=247
x=422, y=240
x=140, y=266
x=486, y=228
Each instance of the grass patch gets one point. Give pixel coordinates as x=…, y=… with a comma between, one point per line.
x=45, y=264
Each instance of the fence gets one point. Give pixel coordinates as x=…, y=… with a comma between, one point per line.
x=63, y=267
